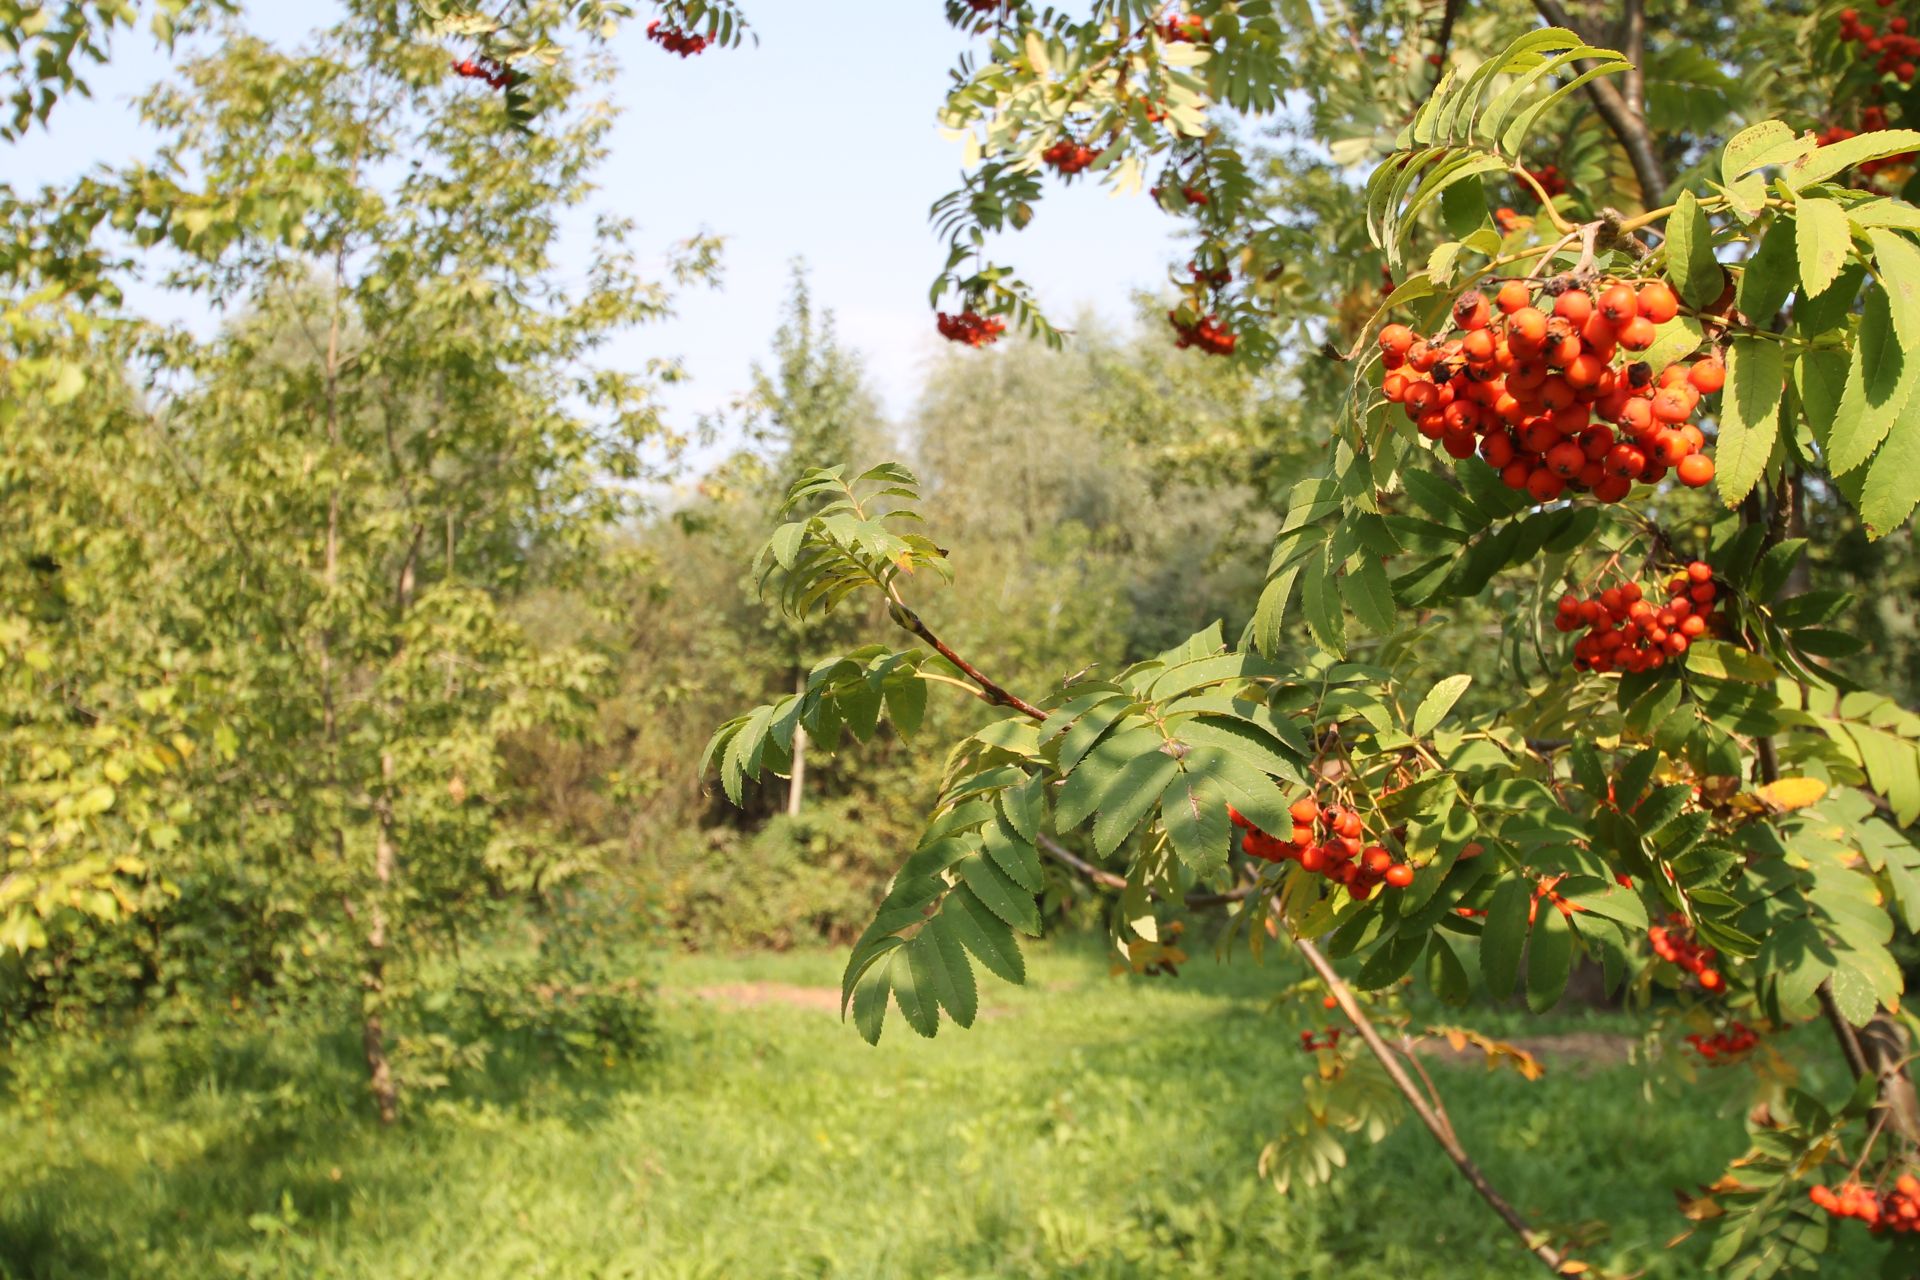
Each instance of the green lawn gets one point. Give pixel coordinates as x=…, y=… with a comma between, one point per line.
x=1086, y=1127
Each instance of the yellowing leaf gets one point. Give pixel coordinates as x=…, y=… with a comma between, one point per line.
x=1789, y=794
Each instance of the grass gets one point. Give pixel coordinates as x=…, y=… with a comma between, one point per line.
x=1087, y=1127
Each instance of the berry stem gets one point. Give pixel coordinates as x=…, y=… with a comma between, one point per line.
x=909, y=620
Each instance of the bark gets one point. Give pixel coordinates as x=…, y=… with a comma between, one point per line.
x=797, y=780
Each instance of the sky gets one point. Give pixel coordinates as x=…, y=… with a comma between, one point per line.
x=820, y=142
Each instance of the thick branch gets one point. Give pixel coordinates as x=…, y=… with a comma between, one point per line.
x=910, y=620
x=1628, y=125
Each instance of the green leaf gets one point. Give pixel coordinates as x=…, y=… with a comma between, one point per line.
x=1131, y=795
x=985, y=934
x=1549, y=959
x=913, y=989
x=1000, y=894
x=1822, y=240
x=1749, y=415
x=1014, y=854
x=1880, y=381
x=1439, y=700
x=1770, y=275
x=1754, y=146
x=870, y=1000
x=1722, y=661
x=1503, y=937
x=1445, y=974
x=1691, y=266
x=1195, y=816
x=1829, y=161
x=1896, y=264
x=1321, y=599
x=1893, y=481
x=1368, y=594
x=1853, y=995
x=940, y=966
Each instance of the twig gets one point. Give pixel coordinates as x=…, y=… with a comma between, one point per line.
x=910, y=620
x=1101, y=876
x=1442, y=1132
x=1434, y=1119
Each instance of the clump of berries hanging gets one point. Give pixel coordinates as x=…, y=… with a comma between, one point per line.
x=1673, y=942
x=1894, y=51
x=675, y=39
x=1329, y=841
x=1549, y=179
x=1720, y=1047
x=1069, y=157
x=1898, y=1211
x=1548, y=392
x=970, y=327
x=497, y=75
x=1628, y=632
x=986, y=6
x=1310, y=1043
x=1184, y=29
x=1207, y=333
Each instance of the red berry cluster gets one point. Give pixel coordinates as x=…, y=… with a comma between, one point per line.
x=1214, y=279
x=1525, y=386
x=1194, y=195
x=496, y=75
x=1722, y=1045
x=1190, y=29
x=1069, y=157
x=1898, y=1211
x=1310, y=1043
x=1549, y=179
x=970, y=327
x=986, y=6
x=1627, y=632
x=1892, y=50
x=1206, y=333
x=1672, y=942
x=1340, y=854
x=675, y=39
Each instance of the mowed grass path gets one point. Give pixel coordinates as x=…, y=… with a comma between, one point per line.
x=1086, y=1127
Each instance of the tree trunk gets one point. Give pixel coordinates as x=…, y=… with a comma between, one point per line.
x=797, y=780
x=373, y=1035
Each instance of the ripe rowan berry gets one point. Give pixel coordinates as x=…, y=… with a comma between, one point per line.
x=1618, y=304
x=1657, y=302
x=1399, y=875
x=1695, y=471
x=1513, y=295
x=1637, y=334
x=1708, y=375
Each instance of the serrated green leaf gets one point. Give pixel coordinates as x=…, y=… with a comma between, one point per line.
x=1822, y=240
x=1749, y=415
x=1439, y=700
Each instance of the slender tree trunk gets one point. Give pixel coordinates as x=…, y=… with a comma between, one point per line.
x=797, y=780
x=373, y=982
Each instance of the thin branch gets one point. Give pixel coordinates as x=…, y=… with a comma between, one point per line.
x=1430, y=1115
x=910, y=620
x=1101, y=876
x=1534, y=1241
x=1628, y=125
x=1447, y=20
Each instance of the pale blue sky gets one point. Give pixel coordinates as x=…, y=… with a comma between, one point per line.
x=818, y=142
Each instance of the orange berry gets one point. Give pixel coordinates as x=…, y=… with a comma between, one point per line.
x=1399, y=875
x=1707, y=376
x=1637, y=334
x=1472, y=311
x=1305, y=810
x=1695, y=470
x=1574, y=305
x=1513, y=295
x=1657, y=303
x=1619, y=304
x=1527, y=328
x=1396, y=338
